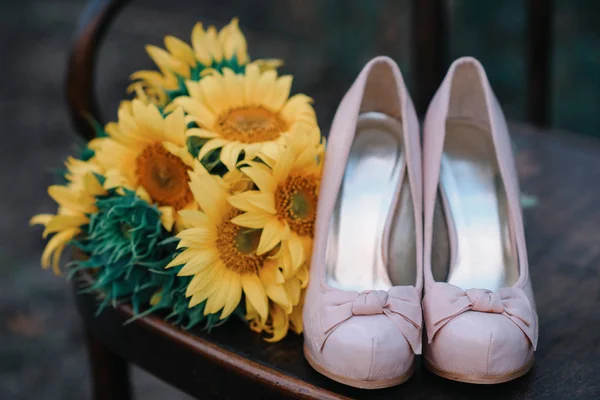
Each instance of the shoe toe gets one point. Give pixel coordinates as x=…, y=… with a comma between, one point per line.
x=479, y=344
x=368, y=348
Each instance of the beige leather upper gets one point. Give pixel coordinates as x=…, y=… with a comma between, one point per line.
x=475, y=331
x=372, y=335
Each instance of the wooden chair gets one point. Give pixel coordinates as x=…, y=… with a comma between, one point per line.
x=562, y=240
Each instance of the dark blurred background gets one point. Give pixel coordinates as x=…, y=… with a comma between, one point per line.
x=324, y=44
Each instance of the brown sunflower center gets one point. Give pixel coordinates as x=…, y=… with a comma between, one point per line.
x=251, y=125
x=164, y=176
x=237, y=246
x=296, y=203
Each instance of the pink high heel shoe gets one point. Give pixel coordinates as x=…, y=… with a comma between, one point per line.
x=479, y=309
x=362, y=314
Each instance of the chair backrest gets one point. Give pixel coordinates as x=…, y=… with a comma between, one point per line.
x=430, y=59
x=79, y=82
x=430, y=41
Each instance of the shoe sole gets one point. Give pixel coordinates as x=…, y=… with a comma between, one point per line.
x=360, y=384
x=479, y=379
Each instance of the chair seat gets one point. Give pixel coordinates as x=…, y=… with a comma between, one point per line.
x=233, y=362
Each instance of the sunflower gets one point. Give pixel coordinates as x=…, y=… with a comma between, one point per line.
x=221, y=256
x=146, y=153
x=76, y=200
x=244, y=113
x=179, y=61
x=279, y=322
x=284, y=206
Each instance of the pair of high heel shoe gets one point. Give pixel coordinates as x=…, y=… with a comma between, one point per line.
x=404, y=246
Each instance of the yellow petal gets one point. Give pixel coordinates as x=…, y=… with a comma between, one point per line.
x=55, y=246
x=302, y=274
x=203, y=115
x=184, y=243
x=166, y=62
x=234, y=86
x=298, y=106
x=211, y=145
x=293, y=289
x=265, y=64
x=280, y=324
x=175, y=128
x=251, y=84
x=255, y=293
x=154, y=121
x=41, y=219
x=233, y=42
x=218, y=299
x=214, y=93
x=71, y=199
x=278, y=294
x=230, y=154
x=239, y=201
x=234, y=295
x=270, y=274
x=182, y=258
x=210, y=196
x=200, y=51
x=261, y=201
x=296, y=250
x=255, y=201
x=203, y=133
x=62, y=222
x=296, y=317
x=250, y=310
x=211, y=42
x=252, y=220
x=167, y=217
x=281, y=93
x=203, y=283
x=201, y=235
x=180, y=50
x=270, y=152
x=142, y=194
x=199, y=262
x=273, y=232
x=283, y=166
x=195, y=90
x=198, y=298
x=194, y=217
x=261, y=178
x=186, y=157
x=266, y=85
x=152, y=77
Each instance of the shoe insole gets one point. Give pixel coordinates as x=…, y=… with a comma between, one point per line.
x=482, y=251
x=356, y=246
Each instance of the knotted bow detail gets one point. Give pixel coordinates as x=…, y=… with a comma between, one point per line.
x=370, y=303
x=485, y=301
x=444, y=301
x=400, y=304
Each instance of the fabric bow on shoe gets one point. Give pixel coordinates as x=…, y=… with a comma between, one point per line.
x=444, y=301
x=401, y=304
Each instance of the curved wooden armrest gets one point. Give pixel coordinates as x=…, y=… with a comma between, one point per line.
x=79, y=82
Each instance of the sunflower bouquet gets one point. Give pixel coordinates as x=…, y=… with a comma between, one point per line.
x=200, y=200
